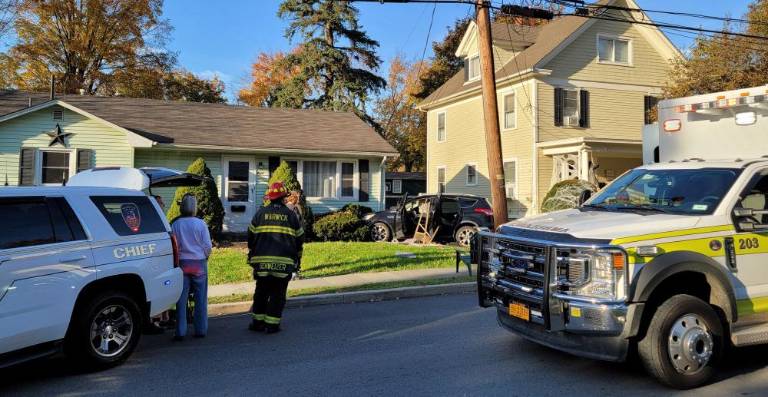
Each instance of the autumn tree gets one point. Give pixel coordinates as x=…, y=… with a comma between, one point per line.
x=445, y=64
x=83, y=43
x=268, y=74
x=402, y=125
x=335, y=68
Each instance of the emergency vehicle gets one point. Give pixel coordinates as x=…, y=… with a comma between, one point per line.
x=670, y=258
x=82, y=267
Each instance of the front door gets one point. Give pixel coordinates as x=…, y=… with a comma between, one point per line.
x=239, y=188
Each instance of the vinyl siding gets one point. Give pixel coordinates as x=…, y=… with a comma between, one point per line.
x=110, y=145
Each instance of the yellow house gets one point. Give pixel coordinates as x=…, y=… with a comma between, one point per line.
x=573, y=96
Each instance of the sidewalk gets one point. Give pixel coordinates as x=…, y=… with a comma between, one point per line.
x=347, y=280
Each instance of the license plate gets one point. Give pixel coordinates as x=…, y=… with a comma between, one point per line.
x=520, y=311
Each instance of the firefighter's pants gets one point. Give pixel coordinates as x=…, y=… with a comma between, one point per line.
x=269, y=298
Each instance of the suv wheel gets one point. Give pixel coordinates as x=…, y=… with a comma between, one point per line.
x=683, y=343
x=381, y=232
x=106, y=333
x=464, y=235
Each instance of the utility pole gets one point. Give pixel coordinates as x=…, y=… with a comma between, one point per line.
x=491, y=113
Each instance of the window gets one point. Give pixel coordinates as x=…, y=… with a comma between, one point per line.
x=65, y=223
x=58, y=115
x=471, y=174
x=473, y=65
x=756, y=196
x=237, y=181
x=613, y=50
x=441, y=179
x=397, y=186
x=510, y=178
x=510, y=118
x=319, y=179
x=441, y=127
x=55, y=167
x=571, y=105
x=30, y=222
x=129, y=215
x=650, y=109
x=347, y=179
x=467, y=202
x=294, y=167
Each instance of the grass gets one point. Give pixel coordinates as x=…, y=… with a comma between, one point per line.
x=364, y=287
x=228, y=265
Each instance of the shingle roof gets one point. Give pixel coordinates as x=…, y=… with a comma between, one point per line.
x=187, y=123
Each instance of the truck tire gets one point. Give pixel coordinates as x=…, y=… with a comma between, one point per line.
x=105, y=331
x=683, y=343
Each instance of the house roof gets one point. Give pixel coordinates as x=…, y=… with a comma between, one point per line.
x=220, y=125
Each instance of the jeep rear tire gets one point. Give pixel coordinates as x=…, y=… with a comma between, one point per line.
x=464, y=235
x=105, y=331
x=683, y=343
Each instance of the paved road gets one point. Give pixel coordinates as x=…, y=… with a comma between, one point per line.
x=428, y=346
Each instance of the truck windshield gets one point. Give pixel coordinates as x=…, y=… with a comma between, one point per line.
x=684, y=192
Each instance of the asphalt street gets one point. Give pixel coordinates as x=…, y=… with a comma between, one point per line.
x=425, y=346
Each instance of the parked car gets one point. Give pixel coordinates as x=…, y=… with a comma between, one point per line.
x=456, y=217
x=83, y=267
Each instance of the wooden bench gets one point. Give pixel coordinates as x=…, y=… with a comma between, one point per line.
x=465, y=258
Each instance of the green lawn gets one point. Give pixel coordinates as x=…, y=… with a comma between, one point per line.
x=228, y=265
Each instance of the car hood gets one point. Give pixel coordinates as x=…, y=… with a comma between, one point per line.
x=604, y=225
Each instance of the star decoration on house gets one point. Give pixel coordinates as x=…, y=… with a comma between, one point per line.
x=58, y=136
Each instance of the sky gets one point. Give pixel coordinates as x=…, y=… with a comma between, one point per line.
x=224, y=37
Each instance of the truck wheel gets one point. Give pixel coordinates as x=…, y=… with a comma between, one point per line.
x=380, y=232
x=464, y=235
x=683, y=344
x=105, y=332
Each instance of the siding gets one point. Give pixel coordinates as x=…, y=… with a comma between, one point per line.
x=111, y=147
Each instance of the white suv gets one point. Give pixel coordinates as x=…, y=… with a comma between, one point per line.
x=81, y=269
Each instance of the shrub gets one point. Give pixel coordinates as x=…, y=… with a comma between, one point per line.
x=565, y=195
x=284, y=173
x=342, y=226
x=357, y=209
x=209, y=207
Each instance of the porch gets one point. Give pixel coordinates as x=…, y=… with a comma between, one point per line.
x=597, y=160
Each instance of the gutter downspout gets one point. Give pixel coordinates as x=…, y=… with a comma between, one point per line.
x=535, y=104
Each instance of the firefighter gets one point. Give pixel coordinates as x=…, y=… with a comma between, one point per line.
x=275, y=239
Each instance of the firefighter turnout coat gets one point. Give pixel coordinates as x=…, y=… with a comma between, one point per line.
x=275, y=239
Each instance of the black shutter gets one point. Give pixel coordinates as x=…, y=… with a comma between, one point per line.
x=84, y=159
x=274, y=162
x=559, y=105
x=364, y=170
x=584, y=109
x=466, y=69
x=27, y=167
x=649, y=108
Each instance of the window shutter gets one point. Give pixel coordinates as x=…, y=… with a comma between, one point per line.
x=466, y=69
x=27, y=167
x=274, y=162
x=584, y=109
x=364, y=170
x=559, y=105
x=84, y=159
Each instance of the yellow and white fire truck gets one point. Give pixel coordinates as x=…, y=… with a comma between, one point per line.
x=672, y=257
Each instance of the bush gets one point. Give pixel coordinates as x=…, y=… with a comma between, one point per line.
x=357, y=209
x=284, y=173
x=342, y=226
x=209, y=207
x=565, y=195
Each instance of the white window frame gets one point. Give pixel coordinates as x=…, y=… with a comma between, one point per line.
x=516, y=184
x=337, y=194
x=466, y=168
x=504, y=110
x=445, y=126
x=397, y=186
x=603, y=36
x=39, y=164
x=578, y=105
x=437, y=178
x=470, y=78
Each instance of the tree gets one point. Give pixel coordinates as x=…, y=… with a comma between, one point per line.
x=267, y=75
x=336, y=63
x=402, y=125
x=445, y=64
x=209, y=207
x=83, y=43
x=723, y=61
x=284, y=173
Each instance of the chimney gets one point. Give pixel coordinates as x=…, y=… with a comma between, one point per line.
x=53, y=87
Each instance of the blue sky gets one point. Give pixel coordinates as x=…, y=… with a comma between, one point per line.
x=224, y=37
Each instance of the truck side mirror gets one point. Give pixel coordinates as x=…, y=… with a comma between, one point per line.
x=747, y=219
x=584, y=196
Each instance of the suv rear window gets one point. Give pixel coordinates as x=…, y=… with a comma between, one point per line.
x=467, y=202
x=130, y=215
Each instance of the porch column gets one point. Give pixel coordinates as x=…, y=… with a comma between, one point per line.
x=584, y=163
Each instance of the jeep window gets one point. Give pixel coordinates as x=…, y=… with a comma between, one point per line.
x=27, y=223
x=129, y=215
x=684, y=192
x=467, y=202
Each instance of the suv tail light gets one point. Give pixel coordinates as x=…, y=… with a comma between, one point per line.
x=484, y=211
x=175, y=245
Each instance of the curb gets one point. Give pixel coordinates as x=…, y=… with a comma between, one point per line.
x=222, y=309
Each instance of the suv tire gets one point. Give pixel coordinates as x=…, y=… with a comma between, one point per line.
x=464, y=235
x=684, y=342
x=380, y=231
x=105, y=331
